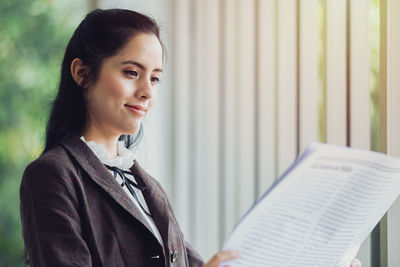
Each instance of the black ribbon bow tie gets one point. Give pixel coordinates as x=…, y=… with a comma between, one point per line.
x=128, y=183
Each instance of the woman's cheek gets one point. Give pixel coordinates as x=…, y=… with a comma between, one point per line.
x=153, y=100
x=118, y=89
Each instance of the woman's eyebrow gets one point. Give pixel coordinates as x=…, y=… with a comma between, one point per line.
x=139, y=65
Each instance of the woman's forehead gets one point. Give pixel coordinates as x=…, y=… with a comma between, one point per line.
x=144, y=49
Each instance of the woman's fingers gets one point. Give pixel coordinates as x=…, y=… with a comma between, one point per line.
x=221, y=257
x=355, y=263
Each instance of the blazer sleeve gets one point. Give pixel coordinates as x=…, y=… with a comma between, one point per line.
x=51, y=225
x=194, y=258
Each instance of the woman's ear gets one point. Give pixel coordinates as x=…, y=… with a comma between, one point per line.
x=79, y=72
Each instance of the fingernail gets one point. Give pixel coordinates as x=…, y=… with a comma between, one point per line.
x=238, y=254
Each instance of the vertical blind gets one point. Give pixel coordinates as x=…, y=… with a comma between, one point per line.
x=249, y=83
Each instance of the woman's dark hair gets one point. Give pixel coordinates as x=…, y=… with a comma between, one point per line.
x=103, y=33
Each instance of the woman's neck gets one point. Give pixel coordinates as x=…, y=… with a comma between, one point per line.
x=110, y=143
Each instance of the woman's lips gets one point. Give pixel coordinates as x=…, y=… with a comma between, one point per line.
x=137, y=109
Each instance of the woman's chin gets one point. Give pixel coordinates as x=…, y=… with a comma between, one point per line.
x=132, y=130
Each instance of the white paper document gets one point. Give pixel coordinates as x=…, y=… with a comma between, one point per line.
x=319, y=211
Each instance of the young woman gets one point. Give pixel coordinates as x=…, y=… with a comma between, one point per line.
x=86, y=201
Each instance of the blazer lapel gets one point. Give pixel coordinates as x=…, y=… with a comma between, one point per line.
x=99, y=173
x=156, y=202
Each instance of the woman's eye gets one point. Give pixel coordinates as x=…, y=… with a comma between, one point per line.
x=132, y=73
x=155, y=80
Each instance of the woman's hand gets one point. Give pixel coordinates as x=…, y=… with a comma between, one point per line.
x=222, y=256
x=355, y=263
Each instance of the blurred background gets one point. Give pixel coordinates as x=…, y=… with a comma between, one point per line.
x=247, y=85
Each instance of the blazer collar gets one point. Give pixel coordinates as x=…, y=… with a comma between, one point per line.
x=153, y=195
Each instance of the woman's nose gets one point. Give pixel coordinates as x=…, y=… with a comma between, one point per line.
x=145, y=89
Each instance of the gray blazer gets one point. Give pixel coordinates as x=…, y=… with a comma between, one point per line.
x=74, y=213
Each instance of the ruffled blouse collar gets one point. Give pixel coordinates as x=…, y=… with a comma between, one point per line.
x=124, y=160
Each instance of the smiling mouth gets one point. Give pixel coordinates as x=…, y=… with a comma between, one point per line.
x=137, y=110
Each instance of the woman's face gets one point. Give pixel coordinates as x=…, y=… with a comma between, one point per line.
x=126, y=87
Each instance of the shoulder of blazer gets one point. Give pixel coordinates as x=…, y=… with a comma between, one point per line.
x=54, y=169
x=55, y=162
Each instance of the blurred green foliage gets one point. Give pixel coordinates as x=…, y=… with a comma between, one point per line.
x=33, y=37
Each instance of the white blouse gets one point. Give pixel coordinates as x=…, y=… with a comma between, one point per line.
x=124, y=160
